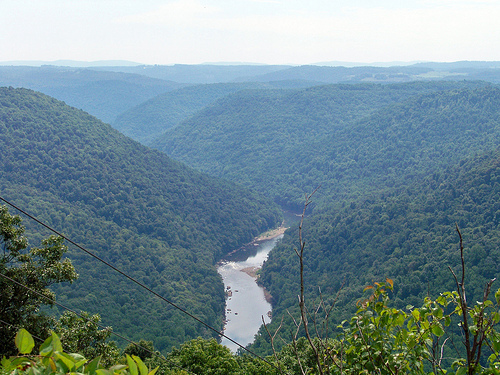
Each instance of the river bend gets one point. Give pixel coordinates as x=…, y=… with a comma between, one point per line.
x=246, y=302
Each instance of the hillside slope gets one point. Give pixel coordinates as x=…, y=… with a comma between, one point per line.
x=152, y=217
x=406, y=234
x=147, y=121
x=285, y=143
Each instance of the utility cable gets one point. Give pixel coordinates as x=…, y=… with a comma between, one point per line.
x=135, y=281
x=156, y=354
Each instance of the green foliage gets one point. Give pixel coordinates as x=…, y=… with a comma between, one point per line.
x=380, y=339
x=37, y=268
x=142, y=349
x=204, y=357
x=404, y=233
x=377, y=339
x=147, y=121
x=386, y=340
x=53, y=360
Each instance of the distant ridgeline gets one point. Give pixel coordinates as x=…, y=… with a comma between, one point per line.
x=150, y=216
x=104, y=94
x=109, y=91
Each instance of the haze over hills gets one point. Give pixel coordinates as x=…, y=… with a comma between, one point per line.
x=107, y=91
x=70, y=63
x=103, y=94
x=150, y=216
x=325, y=73
x=148, y=121
x=196, y=74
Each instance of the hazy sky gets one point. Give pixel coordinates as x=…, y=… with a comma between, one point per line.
x=261, y=31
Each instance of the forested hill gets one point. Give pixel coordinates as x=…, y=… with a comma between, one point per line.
x=285, y=143
x=406, y=234
x=150, y=216
x=147, y=121
x=101, y=93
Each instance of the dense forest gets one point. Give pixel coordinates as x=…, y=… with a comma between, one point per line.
x=284, y=143
x=145, y=213
x=407, y=234
x=399, y=166
x=150, y=119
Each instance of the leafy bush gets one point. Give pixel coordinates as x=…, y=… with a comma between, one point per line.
x=53, y=360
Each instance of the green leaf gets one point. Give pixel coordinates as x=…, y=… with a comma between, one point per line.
x=416, y=314
x=132, y=366
x=56, y=343
x=447, y=320
x=438, y=330
x=6, y=363
x=24, y=341
x=496, y=317
x=496, y=344
x=19, y=361
x=78, y=359
x=46, y=349
x=117, y=368
x=93, y=365
x=142, y=367
x=67, y=362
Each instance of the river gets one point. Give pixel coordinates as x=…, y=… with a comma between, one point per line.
x=246, y=303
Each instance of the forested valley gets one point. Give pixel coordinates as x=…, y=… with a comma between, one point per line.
x=136, y=208
x=399, y=170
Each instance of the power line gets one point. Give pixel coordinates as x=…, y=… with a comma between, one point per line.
x=135, y=281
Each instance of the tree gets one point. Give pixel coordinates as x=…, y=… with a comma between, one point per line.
x=143, y=349
x=205, y=357
x=81, y=334
x=36, y=268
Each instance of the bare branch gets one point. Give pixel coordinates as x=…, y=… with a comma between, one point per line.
x=272, y=337
x=303, y=312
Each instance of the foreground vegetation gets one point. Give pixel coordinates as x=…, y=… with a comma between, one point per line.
x=378, y=339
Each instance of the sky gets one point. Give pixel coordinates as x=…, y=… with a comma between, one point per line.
x=251, y=31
